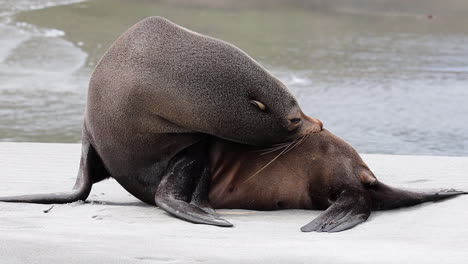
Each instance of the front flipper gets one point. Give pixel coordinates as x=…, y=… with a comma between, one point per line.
x=201, y=192
x=350, y=209
x=183, y=191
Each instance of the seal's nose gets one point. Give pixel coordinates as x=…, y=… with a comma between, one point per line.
x=316, y=125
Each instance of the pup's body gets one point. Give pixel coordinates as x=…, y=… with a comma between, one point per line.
x=323, y=172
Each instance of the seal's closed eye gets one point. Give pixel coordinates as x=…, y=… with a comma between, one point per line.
x=258, y=104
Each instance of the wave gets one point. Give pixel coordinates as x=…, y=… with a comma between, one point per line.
x=37, y=58
x=8, y=8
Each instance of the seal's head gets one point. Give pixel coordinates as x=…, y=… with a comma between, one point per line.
x=248, y=105
x=260, y=114
x=276, y=115
x=207, y=85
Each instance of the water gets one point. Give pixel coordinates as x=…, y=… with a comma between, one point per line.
x=388, y=78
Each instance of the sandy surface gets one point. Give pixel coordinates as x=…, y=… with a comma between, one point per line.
x=117, y=228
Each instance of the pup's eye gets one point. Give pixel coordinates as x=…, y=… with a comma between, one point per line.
x=258, y=104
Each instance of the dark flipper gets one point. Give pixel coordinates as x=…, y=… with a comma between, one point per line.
x=201, y=192
x=386, y=197
x=183, y=191
x=350, y=209
x=90, y=161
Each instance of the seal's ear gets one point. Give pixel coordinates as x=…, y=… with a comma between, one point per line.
x=367, y=178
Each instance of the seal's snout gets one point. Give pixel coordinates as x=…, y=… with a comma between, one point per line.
x=303, y=124
x=314, y=125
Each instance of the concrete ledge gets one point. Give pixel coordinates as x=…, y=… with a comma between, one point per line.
x=117, y=228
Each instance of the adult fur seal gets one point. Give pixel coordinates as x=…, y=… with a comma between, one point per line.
x=156, y=98
x=320, y=172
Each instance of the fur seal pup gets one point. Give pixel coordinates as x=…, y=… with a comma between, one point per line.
x=156, y=98
x=320, y=172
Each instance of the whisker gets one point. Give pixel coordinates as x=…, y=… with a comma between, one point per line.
x=275, y=147
x=286, y=149
x=295, y=145
x=272, y=150
x=275, y=158
x=298, y=143
x=268, y=149
x=281, y=144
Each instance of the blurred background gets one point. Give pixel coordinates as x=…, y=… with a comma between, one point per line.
x=387, y=76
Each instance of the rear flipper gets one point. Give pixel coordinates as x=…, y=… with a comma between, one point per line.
x=183, y=191
x=350, y=209
x=385, y=197
x=90, y=163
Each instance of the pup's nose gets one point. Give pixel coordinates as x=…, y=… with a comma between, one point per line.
x=294, y=123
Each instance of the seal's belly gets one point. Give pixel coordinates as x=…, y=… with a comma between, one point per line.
x=235, y=184
x=304, y=178
x=265, y=194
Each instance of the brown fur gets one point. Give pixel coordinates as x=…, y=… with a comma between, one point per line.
x=307, y=177
x=323, y=172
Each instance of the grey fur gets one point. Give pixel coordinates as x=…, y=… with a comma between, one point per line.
x=197, y=83
x=162, y=90
x=160, y=87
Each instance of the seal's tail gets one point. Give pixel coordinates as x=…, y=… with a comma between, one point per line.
x=386, y=197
